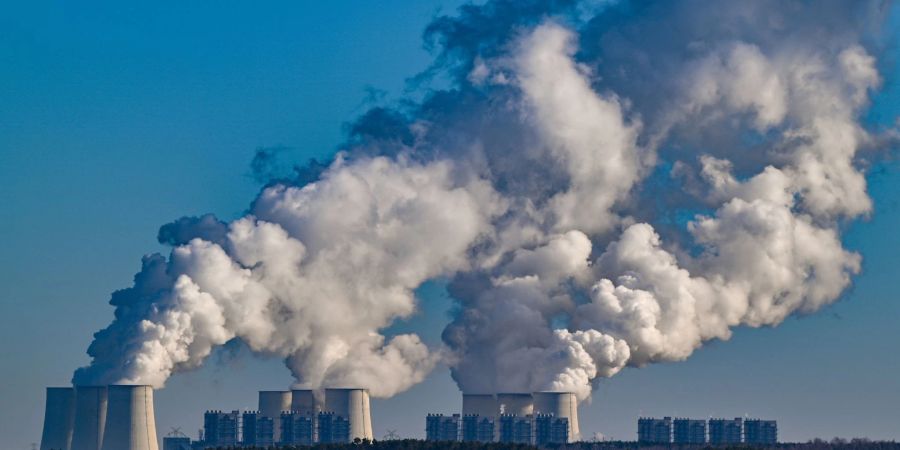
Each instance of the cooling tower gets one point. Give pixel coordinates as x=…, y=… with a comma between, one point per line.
x=518, y=404
x=484, y=405
x=352, y=404
x=305, y=402
x=90, y=417
x=59, y=416
x=271, y=404
x=130, y=422
x=560, y=404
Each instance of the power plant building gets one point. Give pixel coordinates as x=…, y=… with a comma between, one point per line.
x=298, y=428
x=439, y=427
x=657, y=431
x=177, y=443
x=271, y=405
x=549, y=429
x=689, y=431
x=516, y=429
x=332, y=428
x=477, y=428
x=725, y=431
x=758, y=431
x=220, y=429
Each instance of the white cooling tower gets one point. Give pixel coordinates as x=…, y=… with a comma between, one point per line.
x=90, y=417
x=130, y=422
x=271, y=404
x=352, y=404
x=305, y=402
x=515, y=403
x=560, y=404
x=59, y=416
x=484, y=405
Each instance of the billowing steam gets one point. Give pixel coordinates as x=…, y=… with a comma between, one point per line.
x=605, y=185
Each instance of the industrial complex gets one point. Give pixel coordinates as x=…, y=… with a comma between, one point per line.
x=713, y=431
x=121, y=417
x=527, y=418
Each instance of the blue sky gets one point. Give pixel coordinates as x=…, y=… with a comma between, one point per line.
x=116, y=119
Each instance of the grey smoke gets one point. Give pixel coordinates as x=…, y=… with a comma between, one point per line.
x=543, y=183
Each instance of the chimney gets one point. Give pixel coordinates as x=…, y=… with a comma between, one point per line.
x=353, y=405
x=130, y=422
x=90, y=417
x=59, y=416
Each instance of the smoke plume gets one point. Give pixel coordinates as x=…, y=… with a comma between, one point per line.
x=606, y=184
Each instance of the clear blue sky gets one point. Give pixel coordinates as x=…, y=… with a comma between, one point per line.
x=116, y=119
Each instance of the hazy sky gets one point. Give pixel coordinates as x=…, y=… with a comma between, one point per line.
x=117, y=119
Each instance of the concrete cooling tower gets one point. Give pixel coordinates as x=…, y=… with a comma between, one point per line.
x=271, y=404
x=352, y=404
x=130, y=421
x=90, y=417
x=560, y=404
x=485, y=405
x=59, y=417
x=305, y=402
x=518, y=404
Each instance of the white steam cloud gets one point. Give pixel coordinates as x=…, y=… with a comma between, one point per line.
x=596, y=203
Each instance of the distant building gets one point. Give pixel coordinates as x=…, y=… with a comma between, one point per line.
x=477, y=428
x=689, y=431
x=332, y=428
x=658, y=431
x=516, y=429
x=176, y=443
x=724, y=431
x=220, y=429
x=297, y=428
x=758, y=431
x=248, y=428
x=439, y=427
x=549, y=429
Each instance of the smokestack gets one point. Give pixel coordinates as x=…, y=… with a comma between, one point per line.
x=304, y=401
x=352, y=404
x=484, y=405
x=515, y=403
x=271, y=404
x=560, y=404
x=130, y=422
x=90, y=417
x=59, y=417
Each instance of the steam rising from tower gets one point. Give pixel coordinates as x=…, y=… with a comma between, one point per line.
x=600, y=192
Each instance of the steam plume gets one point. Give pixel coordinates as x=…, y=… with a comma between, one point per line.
x=605, y=184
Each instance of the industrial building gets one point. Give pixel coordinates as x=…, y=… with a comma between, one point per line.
x=220, y=429
x=757, y=431
x=516, y=429
x=115, y=417
x=177, y=443
x=688, y=431
x=439, y=427
x=726, y=431
x=298, y=428
x=714, y=431
x=476, y=428
x=549, y=429
x=531, y=418
x=657, y=431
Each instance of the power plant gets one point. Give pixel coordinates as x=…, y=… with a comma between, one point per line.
x=117, y=417
x=529, y=418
